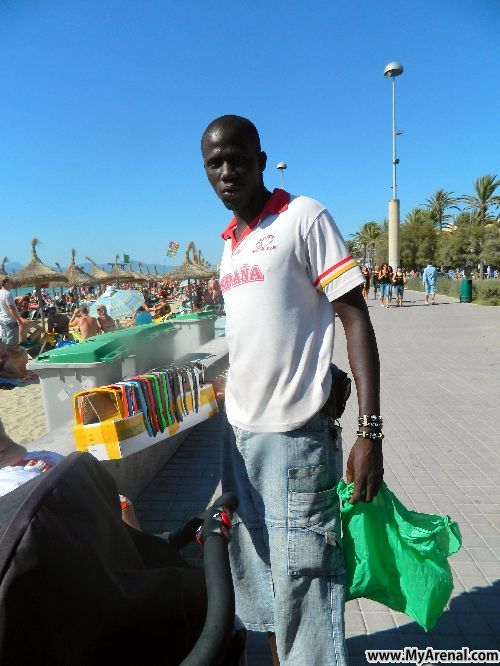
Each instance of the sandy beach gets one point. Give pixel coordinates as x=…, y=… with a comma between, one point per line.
x=22, y=415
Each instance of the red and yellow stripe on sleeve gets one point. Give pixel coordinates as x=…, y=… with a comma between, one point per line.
x=334, y=272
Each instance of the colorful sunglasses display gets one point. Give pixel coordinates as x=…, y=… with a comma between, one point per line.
x=164, y=395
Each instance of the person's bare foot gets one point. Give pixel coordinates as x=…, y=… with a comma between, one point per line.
x=129, y=517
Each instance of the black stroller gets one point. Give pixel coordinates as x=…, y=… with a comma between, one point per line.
x=79, y=587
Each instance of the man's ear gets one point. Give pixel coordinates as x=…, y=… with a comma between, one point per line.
x=262, y=161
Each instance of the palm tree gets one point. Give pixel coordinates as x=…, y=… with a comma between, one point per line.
x=365, y=239
x=352, y=246
x=485, y=197
x=438, y=203
x=416, y=216
x=482, y=202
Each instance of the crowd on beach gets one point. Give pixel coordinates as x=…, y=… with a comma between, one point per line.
x=68, y=318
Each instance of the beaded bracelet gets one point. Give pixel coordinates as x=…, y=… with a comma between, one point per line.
x=366, y=434
x=371, y=420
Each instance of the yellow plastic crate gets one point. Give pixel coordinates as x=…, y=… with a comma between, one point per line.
x=118, y=437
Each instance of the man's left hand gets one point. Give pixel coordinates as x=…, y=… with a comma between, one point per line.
x=365, y=468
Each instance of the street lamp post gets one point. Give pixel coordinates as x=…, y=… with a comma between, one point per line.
x=392, y=70
x=281, y=166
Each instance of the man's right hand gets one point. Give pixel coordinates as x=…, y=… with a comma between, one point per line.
x=365, y=468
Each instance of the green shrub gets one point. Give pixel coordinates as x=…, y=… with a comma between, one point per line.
x=443, y=286
x=486, y=292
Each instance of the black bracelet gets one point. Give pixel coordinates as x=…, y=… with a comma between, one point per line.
x=366, y=434
x=370, y=420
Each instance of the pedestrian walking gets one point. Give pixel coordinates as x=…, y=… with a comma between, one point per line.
x=375, y=281
x=365, y=286
x=429, y=277
x=398, y=285
x=384, y=281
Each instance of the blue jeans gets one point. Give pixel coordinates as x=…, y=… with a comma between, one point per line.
x=385, y=289
x=285, y=552
x=398, y=290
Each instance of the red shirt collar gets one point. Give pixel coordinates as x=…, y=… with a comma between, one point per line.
x=276, y=204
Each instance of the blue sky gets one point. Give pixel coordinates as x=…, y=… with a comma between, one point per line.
x=102, y=104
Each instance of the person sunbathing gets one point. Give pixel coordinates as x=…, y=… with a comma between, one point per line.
x=162, y=308
x=106, y=323
x=88, y=325
x=142, y=316
x=13, y=363
x=57, y=322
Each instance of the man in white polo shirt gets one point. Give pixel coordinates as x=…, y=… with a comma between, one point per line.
x=10, y=319
x=283, y=268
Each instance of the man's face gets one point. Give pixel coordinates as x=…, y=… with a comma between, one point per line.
x=234, y=166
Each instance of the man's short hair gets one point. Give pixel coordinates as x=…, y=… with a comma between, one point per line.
x=238, y=123
x=6, y=280
x=84, y=309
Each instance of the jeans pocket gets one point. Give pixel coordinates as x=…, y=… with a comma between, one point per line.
x=314, y=541
x=317, y=425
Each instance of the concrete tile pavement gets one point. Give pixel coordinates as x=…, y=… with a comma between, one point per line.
x=440, y=386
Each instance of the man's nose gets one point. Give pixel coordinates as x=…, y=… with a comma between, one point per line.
x=228, y=172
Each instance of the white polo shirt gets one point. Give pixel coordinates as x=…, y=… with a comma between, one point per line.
x=277, y=282
x=6, y=299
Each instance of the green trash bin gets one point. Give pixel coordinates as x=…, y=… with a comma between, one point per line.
x=68, y=370
x=196, y=328
x=97, y=361
x=466, y=291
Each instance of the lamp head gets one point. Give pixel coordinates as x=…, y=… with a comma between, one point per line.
x=393, y=69
x=281, y=165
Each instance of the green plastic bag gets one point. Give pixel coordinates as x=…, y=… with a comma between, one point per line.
x=396, y=556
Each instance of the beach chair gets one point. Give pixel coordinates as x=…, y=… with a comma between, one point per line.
x=78, y=586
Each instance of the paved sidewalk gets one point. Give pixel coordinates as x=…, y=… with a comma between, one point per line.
x=440, y=401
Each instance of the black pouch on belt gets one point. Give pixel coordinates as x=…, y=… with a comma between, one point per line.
x=339, y=393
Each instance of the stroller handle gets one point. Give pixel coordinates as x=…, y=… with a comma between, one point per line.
x=219, y=622
x=185, y=534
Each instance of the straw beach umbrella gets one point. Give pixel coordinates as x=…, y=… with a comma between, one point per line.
x=203, y=263
x=116, y=273
x=189, y=270
x=3, y=272
x=100, y=276
x=76, y=276
x=58, y=284
x=149, y=277
x=157, y=276
x=134, y=276
x=35, y=274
